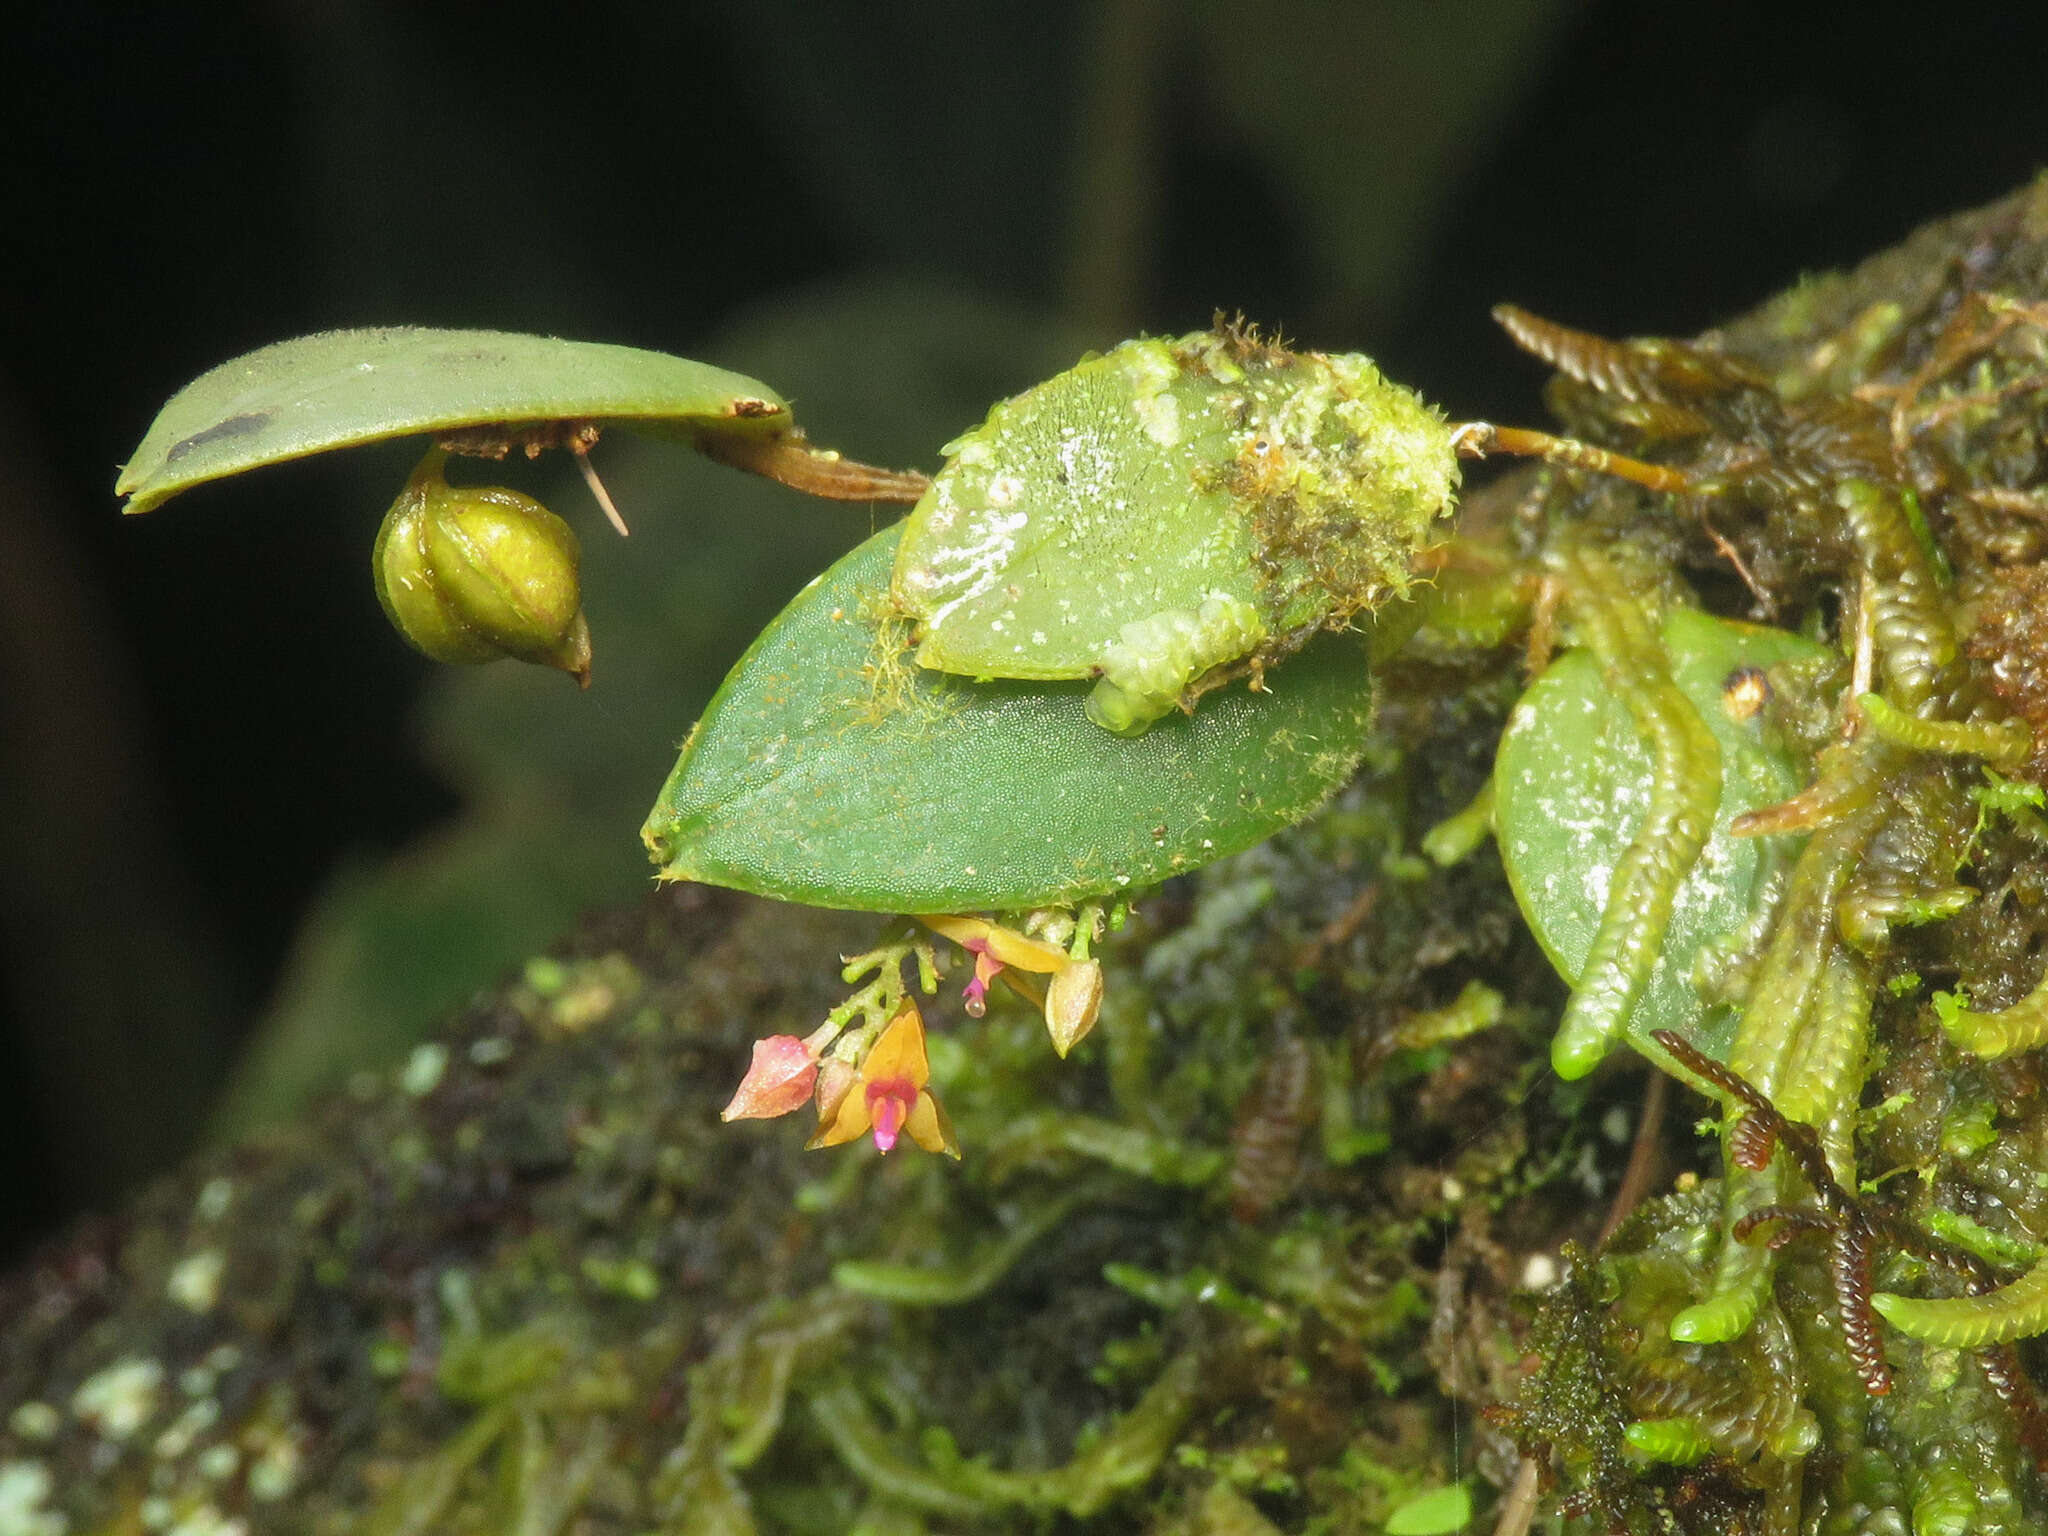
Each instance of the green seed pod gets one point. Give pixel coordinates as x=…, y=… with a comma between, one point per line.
x=1170, y=515
x=478, y=573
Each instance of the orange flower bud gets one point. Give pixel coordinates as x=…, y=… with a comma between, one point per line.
x=836, y=1079
x=780, y=1078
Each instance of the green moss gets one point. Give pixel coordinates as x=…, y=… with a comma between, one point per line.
x=528, y=1282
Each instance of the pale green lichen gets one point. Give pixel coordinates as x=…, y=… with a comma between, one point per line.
x=120, y=1399
x=24, y=1490
x=195, y=1282
x=419, y=1343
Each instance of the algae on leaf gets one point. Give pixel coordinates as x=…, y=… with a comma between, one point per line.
x=830, y=770
x=529, y=1282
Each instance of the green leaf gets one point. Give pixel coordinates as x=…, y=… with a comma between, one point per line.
x=547, y=782
x=1139, y=483
x=807, y=781
x=1438, y=1512
x=342, y=389
x=1570, y=783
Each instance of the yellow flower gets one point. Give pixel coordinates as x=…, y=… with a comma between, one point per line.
x=1072, y=1000
x=888, y=1096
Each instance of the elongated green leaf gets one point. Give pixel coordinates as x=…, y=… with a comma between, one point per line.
x=1570, y=785
x=341, y=389
x=807, y=782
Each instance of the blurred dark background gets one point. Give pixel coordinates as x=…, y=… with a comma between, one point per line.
x=249, y=842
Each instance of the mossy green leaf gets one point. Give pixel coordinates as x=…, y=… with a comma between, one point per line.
x=830, y=770
x=1570, y=786
x=342, y=389
x=1153, y=515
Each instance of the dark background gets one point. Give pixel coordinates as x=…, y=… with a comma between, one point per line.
x=201, y=711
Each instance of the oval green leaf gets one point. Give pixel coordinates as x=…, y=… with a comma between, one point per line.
x=1570, y=783
x=1438, y=1512
x=342, y=389
x=807, y=781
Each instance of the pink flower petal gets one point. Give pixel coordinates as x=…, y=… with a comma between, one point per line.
x=986, y=968
x=779, y=1079
x=889, y=1105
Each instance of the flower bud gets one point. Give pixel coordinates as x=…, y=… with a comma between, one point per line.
x=474, y=573
x=779, y=1079
x=835, y=1080
x=1072, y=1001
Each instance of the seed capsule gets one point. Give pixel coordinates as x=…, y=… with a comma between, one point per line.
x=475, y=573
x=1073, y=1001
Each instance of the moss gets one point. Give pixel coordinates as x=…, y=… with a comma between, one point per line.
x=1254, y=1258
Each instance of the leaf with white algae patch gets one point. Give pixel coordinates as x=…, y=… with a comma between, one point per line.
x=1171, y=515
x=342, y=389
x=832, y=771
x=1571, y=784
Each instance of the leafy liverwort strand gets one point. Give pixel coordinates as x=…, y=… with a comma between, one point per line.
x=1914, y=636
x=1679, y=1441
x=1570, y=794
x=1685, y=788
x=2007, y=1032
x=1825, y=1073
x=2015, y=1311
x=2004, y=743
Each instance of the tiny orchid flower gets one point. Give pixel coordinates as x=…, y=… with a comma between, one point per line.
x=986, y=968
x=1071, y=1001
x=889, y=1097
x=780, y=1078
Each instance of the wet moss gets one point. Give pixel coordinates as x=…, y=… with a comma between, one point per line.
x=1258, y=1256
